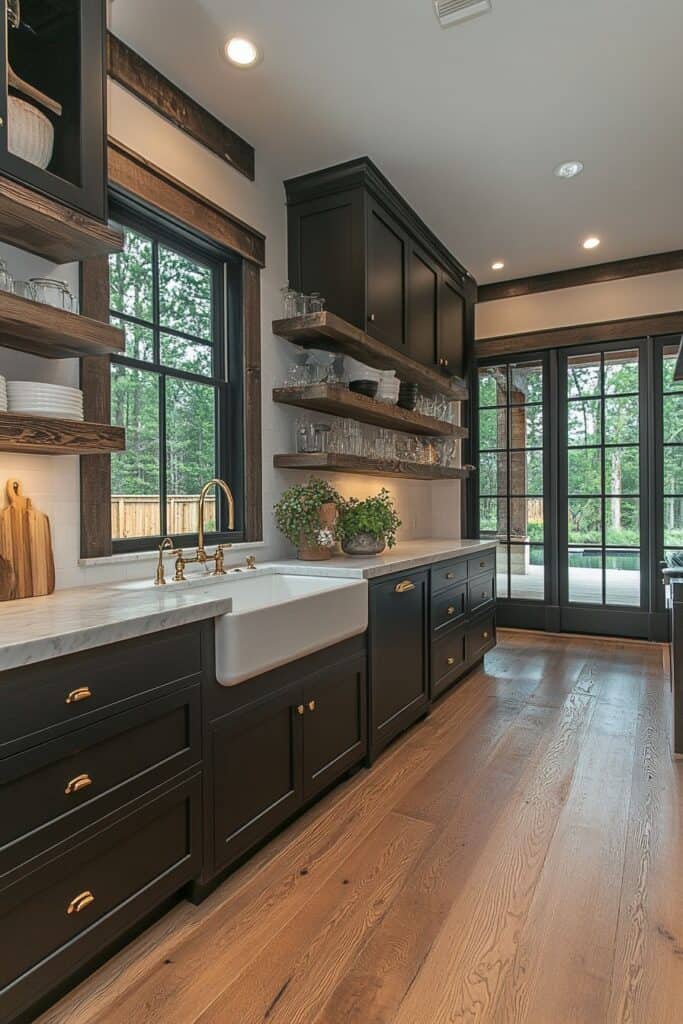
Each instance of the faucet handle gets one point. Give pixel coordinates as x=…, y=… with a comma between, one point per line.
x=251, y=561
x=220, y=561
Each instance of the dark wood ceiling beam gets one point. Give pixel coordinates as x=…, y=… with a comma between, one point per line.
x=139, y=77
x=596, y=274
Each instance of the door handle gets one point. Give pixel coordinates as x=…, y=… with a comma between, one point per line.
x=404, y=587
x=82, y=693
x=311, y=705
x=80, y=782
x=80, y=902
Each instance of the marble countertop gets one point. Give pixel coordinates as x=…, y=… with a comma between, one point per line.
x=410, y=554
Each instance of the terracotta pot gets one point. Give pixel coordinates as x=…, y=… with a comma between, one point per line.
x=308, y=552
x=363, y=545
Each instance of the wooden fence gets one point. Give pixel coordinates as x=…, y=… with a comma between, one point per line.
x=137, y=515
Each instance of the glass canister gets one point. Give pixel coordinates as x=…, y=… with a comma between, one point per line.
x=6, y=279
x=54, y=293
x=290, y=302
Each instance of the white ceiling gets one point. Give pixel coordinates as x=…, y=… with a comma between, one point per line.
x=468, y=122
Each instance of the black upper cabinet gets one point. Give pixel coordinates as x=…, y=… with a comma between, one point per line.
x=354, y=239
x=58, y=49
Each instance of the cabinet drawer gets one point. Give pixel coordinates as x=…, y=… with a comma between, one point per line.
x=449, y=657
x=67, y=912
x=481, y=636
x=444, y=576
x=481, y=591
x=485, y=562
x=58, y=787
x=449, y=606
x=55, y=696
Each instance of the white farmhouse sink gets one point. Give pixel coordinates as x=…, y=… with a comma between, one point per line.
x=278, y=618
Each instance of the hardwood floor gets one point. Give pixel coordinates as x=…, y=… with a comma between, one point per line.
x=517, y=857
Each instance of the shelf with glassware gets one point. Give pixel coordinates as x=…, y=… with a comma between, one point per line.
x=334, y=462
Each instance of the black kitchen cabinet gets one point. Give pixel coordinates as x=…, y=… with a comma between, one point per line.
x=58, y=48
x=398, y=649
x=335, y=723
x=354, y=239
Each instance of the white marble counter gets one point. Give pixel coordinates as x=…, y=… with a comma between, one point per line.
x=410, y=554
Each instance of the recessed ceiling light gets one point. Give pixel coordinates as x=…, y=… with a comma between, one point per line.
x=570, y=169
x=498, y=265
x=591, y=243
x=242, y=52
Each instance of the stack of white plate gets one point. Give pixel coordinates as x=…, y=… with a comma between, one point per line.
x=3, y=394
x=45, y=399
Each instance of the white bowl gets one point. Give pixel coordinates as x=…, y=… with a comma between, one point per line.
x=30, y=134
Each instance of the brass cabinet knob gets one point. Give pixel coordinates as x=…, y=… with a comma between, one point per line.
x=300, y=709
x=482, y=565
x=484, y=636
x=80, y=902
x=77, y=784
x=311, y=705
x=451, y=661
x=404, y=587
x=445, y=362
x=451, y=610
x=450, y=575
x=82, y=693
x=484, y=593
x=371, y=317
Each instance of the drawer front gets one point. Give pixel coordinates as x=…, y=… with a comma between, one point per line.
x=55, y=696
x=60, y=786
x=449, y=606
x=449, y=657
x=64, y=914
x=445, y=575
x=481, y=636
x=482, y=591
x=485, y=562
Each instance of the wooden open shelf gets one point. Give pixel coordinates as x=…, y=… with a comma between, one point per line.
x=337, y=400
x=53, y=333
x=32, y=221
x=330, y=462
x=43, y=435
x=328, y=331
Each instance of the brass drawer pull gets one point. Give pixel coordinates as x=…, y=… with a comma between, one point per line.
x=80, y=782
x=82, y=693
x=484, y=593
x=80, y=902
x=450, y=575
x=311, y=705
x=300, y=709
x=451, y=610
x=451, y=661
x=484, y=636
x=482, y=565
x=403, y=588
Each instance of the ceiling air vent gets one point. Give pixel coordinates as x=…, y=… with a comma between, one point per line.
x=450, y=12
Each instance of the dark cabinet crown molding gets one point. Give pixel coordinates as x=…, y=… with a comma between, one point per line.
x=363, y=173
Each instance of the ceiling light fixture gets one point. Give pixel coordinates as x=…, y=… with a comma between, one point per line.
x=498, y=265
x=591, y=243
x=570, y=169
x=242, y=52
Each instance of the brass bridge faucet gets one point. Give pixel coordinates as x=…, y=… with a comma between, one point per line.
x=218, y=557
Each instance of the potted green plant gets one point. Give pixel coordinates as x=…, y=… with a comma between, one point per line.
x=307, y=514
x=367, y=527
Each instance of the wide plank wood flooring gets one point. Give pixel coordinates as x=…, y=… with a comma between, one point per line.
x=517, y=857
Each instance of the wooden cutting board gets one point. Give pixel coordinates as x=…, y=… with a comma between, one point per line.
x=27, y=567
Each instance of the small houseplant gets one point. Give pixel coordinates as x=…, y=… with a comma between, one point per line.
x=306, y=514
x=367, y=527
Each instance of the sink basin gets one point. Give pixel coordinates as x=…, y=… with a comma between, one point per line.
x=278, y=618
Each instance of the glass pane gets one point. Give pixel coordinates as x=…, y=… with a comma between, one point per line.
x=526, y=519
x=622, y=577
x=622, y=521
x=131, y=277
x=526, y=426
x=621, y=420
x=492, y=473
x=585, y=576
x=621, y=372
x=673, y=418
x=191, y=356
x=673, y=470
x=583, y=422
x=668, y=366
x=527, y=575
x=585, y=520
x=190, y=448
x=526, y=473
x=492, y=428
x=583, y=376
x=502, y=571
x=673, y=522
x=139, y=340
x=584, y=467
x=493, y=516
x=492, y=385
x=526, y=383
x=622, y=470
x=185, y=294
x=135, y=481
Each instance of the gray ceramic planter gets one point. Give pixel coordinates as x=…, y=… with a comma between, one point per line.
x=363, y=545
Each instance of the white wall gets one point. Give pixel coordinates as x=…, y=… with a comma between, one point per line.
x=53, y=483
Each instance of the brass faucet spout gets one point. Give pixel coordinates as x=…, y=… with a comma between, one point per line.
x=202, y=501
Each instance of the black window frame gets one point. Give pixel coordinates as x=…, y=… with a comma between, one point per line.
x=228, y=368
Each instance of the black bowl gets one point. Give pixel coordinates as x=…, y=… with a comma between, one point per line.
x=364, y=387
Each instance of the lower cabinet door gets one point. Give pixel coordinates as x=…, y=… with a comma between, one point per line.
x=256, y=755
x=449, y=658
x=481, y=637
x=68, y=911
x=335, y=723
